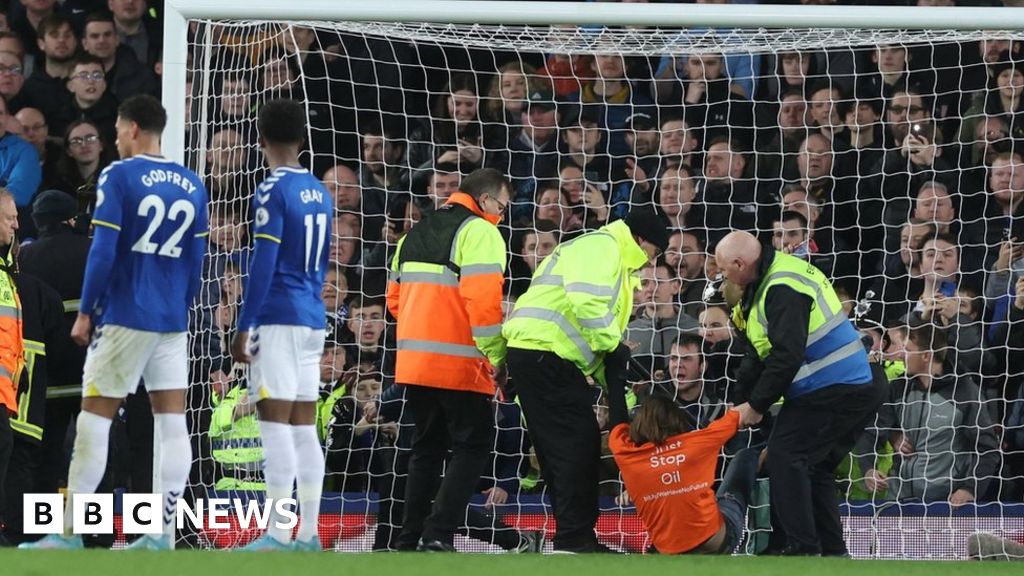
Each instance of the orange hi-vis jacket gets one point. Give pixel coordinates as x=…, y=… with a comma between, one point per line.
x=445, y=291
x=12, y=357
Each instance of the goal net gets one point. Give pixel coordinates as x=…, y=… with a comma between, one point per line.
x=891, y=160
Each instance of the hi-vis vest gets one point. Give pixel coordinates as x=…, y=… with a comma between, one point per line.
x=236, y=444
x=834, y=353
x=580, y=298
x=11, y=342
x=445, y=290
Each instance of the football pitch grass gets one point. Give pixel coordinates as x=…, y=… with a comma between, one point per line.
x=195, y=563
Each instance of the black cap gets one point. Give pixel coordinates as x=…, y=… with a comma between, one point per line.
x=648, y=226
x=541, y=98
x=53, y=206
x=641, y=122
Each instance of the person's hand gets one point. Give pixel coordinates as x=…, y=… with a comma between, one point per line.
x=594, y=200
x=960, y=497
x=1009, y=252
x=902, y=445
x=81, y=332
x=240, y=347
x=370, y=411
x=495, y=497
x=920, y=151
x=637, y=174
x=930, y=305
x=471, y=152
x=948, y=309
x=500, y=375
x=695, y=89
x=623, y=499
x=1018, y=300
x=220, y=383
x=389, y=234
x=875, y=481
x=389, y=430
x=748, y=416
x=451, y=156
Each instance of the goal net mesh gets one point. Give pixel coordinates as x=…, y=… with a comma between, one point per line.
x=888, y=159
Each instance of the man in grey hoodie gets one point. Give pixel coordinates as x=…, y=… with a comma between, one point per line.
x=939, y=426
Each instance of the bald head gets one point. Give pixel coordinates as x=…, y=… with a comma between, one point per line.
x=737, y=256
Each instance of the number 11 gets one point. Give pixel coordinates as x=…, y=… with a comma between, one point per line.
x=321, y=235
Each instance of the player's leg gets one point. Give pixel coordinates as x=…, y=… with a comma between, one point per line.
x=166, y=377
x=310, y=474
x=273, y=386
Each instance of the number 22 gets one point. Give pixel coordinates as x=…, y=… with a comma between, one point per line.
x=172, y=246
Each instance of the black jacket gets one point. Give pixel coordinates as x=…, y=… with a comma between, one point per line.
x=58, y=259
x=44, y=335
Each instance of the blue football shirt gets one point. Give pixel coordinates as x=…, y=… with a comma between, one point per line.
x=292, y=233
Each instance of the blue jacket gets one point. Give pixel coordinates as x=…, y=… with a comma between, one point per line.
x=19, y=169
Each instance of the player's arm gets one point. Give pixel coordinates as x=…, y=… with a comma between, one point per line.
x=268, y=231
x=107, y=229
x=481, y=262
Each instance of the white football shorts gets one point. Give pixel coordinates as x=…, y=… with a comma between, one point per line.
x=286, y=363
x=119, y=357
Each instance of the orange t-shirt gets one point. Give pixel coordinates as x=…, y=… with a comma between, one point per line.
x=671, y=484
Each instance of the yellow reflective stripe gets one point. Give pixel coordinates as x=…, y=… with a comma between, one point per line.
x=72, y=305
x=562, y=322
x=106, y=224
x=486, y=331
x=474, y=269
x=34, y=347
x=69, y=391
x=30, y=430
x=445, y=348
x=268, y=237
x=202, y=234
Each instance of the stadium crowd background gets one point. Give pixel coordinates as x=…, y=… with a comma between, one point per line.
x=897, y=170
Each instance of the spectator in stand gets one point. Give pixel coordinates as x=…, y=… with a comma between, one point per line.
x=529, y=246
x=125, y=74
x=823, y=109
x=692, y=391
x=367, y=324
x=903, y=109
x=792, y=234
x=226, y=161
x=611, y=92
x=675, y=198
x=858, y=146
x=454, y=134
x=12, y=80
x=533, y=154
x=90, y=98
x=36, y=132
x=644, y=165
x=46, y=88
x=26, y=17
x=788, y=130
x=890, y=72
x=383, y=172
x=659, y=320
x=689, y=268
x=711, y=104
x=1006, y=197
x=505, y=103
x=443, y=182
x=343, y=184
x=335, y=294
x=723, y=352
x=1003, y=98
x=934, y=204
x=86, y=155
x=138, y=29
x=552, y=204
x=727, y=199
x=678, y=144
x=938, y=424
x=19, y=166
x=600, y=182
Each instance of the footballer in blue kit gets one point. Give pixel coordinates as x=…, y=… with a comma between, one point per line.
x=143, y=271
x=282, y=320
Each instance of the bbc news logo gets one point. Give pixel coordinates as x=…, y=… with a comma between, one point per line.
x=144, y=513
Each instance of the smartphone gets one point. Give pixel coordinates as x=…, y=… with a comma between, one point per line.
x=924, y=130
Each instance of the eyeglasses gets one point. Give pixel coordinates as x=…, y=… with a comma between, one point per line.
x=89, y=76
x=10, y=70
x=79, y=141
x=502, y=205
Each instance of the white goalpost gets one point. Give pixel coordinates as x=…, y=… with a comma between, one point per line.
x=860, y=131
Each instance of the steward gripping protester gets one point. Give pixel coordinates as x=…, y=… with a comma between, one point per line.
x=445, y=291
x=567, y=326
x=805, y=348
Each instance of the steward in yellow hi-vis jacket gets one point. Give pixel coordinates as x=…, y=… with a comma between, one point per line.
x=567, y=326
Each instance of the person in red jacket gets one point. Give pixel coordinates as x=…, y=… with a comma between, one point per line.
x=669, y=468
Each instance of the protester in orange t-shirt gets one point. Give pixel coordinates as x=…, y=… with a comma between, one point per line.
x=669, y=469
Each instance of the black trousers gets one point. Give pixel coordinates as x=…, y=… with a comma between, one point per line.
x=445, y=419
x=558, y=408
x=21, y=479
x=6, y=448
x=56, y=452
x=810, y=437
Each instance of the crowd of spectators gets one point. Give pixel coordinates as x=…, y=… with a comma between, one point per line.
x=897, y=169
